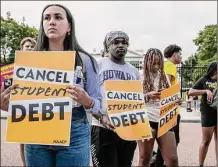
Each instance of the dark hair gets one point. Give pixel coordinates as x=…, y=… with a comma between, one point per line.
x=105, y=45
x=211, y=69
x=148, y=84
x=70, y=41
x=168, y=52
x=105, y=50
x=24, y=40
x=103, y=53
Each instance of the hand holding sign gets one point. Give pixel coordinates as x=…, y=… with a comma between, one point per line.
x=79, y=95
x=170, y=100
x=126, y=109
x=5, y=96
x=106, y=122
x=40, y=109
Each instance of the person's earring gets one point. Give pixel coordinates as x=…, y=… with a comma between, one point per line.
x=68, y=33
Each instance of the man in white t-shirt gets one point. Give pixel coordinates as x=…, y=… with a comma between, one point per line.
x=107, y=148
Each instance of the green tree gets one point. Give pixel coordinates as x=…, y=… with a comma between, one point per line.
x=12, y=32
x=206, y=41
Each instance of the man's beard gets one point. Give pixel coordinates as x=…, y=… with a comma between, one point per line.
x=121, y=54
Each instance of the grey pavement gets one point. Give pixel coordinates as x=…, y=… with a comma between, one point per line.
x=191, y=117
x=187, y=149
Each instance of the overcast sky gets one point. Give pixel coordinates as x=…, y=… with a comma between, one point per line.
x=148, y=24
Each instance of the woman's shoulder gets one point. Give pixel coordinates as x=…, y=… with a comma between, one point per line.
x=203, y=79
x=88, y=59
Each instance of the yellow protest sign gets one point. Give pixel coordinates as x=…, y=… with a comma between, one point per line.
x=168, y=109
x=40, y=108
x=126, y=109
x=6, y=72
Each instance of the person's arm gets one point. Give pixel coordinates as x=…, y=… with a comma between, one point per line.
x=148, y=95
x=93, y=87
x=199, y=89
x=22, y=154
x=151, y=95
x=196, y=92
x=5, y=96
x=91, y=99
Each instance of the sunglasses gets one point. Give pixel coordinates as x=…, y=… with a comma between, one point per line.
x=116, y=42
